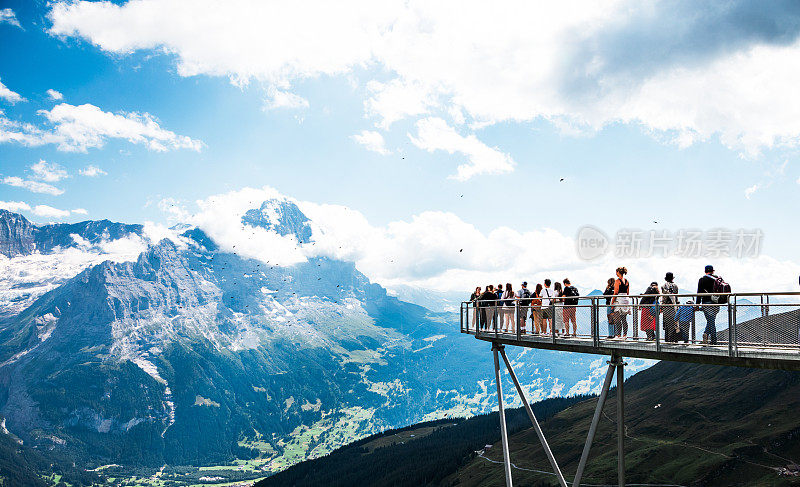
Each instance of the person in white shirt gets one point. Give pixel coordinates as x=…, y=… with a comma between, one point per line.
x=547, y=311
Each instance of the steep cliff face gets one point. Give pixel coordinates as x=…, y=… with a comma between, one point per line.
x=16, y=234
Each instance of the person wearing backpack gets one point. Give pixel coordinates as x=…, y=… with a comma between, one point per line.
x=669, y=305
x=569, y=307
x=524, y=300
x=714, y=292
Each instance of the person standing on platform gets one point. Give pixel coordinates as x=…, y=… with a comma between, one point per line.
x=669, y=306
x=705, y=285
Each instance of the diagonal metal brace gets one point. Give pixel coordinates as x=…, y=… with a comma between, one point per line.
x=536, y=426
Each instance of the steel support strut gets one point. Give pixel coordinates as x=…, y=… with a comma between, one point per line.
x=612, y=365
x=502, y=413
x=536, y=426
x=621, y=421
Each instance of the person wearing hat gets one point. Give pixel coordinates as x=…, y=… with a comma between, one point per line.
x=669, y=305
x=706, y=286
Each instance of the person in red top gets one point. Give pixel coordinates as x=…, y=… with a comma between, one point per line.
x=648, y=305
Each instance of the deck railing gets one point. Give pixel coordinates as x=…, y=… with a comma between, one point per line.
x=742, y=321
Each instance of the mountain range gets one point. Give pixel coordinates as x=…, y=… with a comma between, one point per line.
x=180, y=351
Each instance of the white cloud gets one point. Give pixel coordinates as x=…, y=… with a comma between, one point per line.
x=79, y=128
x=79, y=211
x=8, y=95
x=372, y=141
x=434, y=134
x=46, y=211
x=575, y=63
x=175, y=210
x=284, y=99
x=48, y=171
x=55, y=95
x=748, y=192
x=33, y=186
x=220, y=216
x=92, y=171
x=437, y=250
x=7, y=16
x=15, y=206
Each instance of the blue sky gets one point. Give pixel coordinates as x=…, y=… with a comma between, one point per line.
x=595, y=111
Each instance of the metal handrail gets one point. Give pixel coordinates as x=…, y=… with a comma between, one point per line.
x=747, y=325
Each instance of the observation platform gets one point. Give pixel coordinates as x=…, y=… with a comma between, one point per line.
x=753, y=329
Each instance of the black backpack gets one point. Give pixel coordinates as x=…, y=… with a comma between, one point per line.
x=720, y=286
x=525, y=300
x=571, y=291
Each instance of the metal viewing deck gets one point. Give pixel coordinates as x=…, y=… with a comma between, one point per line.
x=749, y=330
x=753, y=329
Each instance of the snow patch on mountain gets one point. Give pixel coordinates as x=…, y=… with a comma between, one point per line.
x=24, y=278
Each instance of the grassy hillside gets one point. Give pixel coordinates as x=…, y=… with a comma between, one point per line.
x=686, y=424
x=417, y=455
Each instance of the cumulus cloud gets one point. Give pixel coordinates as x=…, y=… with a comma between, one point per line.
x=55, y=95
x=50, y=212
x=33, y=186
x=15, y=206
x=8, y=95
x=48, y=171
x=684, y=71
x=79, y=211
x=92, y=171
x=437, y=250
x=434, y=134
x=79, y=128
x=372, y=141
x=7, y=16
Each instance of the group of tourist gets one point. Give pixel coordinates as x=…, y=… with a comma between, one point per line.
x=552, y=310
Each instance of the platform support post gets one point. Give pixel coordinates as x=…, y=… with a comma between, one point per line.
x=621, y=421
x=502, y=413
x=532, y=417
x=612, y=365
